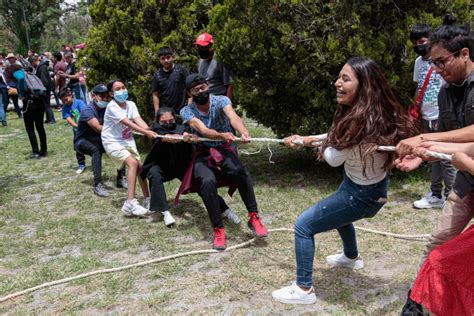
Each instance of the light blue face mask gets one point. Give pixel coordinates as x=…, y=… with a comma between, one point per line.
x=121, y=96
x=102, y=104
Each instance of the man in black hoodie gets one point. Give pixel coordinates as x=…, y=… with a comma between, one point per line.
x=41, y=70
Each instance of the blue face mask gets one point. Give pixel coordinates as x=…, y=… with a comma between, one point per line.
x=102, y=104
x=121, y=96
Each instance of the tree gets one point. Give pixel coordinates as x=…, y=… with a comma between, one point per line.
x=27, y=20
x=285, y=54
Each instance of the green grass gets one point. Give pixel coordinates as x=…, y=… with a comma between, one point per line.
x=52, y=226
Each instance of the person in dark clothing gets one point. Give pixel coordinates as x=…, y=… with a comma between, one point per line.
x=169, y=159
x=33, y=111
x=71, y=75
x=168, y=84
x=41, y=70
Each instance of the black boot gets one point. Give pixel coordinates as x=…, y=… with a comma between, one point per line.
x=412, y=308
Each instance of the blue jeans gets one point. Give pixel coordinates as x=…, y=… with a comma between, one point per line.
x=77, y=92
x=348, y=204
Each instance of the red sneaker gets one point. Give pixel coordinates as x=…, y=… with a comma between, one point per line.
x=219, y=239
x=256, y=225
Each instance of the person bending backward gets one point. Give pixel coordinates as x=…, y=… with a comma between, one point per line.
x=213, y=117
x=452, y=55
x=368, y=114
x=169, y=159
x=120, y=120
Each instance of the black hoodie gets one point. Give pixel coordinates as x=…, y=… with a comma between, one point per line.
x=42, y=72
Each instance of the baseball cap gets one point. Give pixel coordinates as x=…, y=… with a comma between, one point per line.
x=204, y=39
x=193, y=80
x=100, y=88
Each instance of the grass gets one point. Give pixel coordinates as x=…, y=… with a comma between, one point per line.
x=52, y=226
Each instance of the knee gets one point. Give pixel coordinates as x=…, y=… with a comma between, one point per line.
x=301, y=228
x=154, y=175
x=238, y=172
x=208, y=183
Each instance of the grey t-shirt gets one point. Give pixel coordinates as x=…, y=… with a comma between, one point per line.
x=217, y=75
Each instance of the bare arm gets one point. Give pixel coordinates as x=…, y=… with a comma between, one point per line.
x=140, y=129
x=139, y=121
x=202, y=129
x=230, y=92
x=95, y=125
x=237, y=123
x=71, y=122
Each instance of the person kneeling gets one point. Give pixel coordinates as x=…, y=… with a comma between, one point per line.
x=216, y=162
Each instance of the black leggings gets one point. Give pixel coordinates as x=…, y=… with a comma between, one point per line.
x=234, y=172
x=33, y=112
x=158, y=203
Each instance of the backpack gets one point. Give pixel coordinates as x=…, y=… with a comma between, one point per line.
x=35, y=86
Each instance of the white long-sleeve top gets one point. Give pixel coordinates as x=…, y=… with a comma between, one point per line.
x=353, y=165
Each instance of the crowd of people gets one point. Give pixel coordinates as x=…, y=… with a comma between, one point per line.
x=189, y=106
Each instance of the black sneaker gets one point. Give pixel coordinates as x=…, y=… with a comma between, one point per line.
x=121, y=179
x=412, y=308
x=4, y=123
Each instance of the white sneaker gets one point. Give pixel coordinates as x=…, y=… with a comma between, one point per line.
x=231, y=216
x=146, y=203
x=429, y=201
x=168, y=218
x=293, y=294
x=132, y=208
x=340, y=260
x=80, y=169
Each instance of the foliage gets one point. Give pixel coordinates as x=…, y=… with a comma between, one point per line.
x=285, y=54
x=37, y=13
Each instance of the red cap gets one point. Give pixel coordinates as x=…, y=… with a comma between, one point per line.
x=204, y=39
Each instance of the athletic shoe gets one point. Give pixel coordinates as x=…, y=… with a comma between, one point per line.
x=132, y=208
x=429, y=201
x=168, y=219
x=80, y=169
x=4, y=123
x=122, y=182
x=231, y=216
x=219, y=239
x=146, y=203
x=293, y=294
x=256, y=225
x=35, y=156
x=412, y=308
x=340, y=260
x=100, y=190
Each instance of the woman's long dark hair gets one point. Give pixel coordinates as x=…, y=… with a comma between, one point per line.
x=375, y=117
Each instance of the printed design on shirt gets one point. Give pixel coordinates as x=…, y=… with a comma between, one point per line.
x=127, y=133
x=429, y=103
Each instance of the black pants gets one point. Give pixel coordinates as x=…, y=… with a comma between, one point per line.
x=6, y=100
x=33, y=112
x=158, y=202
x=234, y=172
x=48, y=109
x=95, y=150
x=81, y=159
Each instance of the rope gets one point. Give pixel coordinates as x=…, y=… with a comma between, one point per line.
x=179, y=255
x=428, y=153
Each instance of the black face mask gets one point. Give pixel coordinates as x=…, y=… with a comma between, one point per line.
x=421, y=50
x=169, y=126
x=204, y=53
x=202, y=97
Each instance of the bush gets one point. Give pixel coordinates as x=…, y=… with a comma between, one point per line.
x=285, y=54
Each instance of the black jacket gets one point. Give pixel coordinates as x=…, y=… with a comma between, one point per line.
x=42, y=72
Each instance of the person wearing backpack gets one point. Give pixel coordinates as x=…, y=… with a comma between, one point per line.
x=33, y=109
x=41, y=70
x=429, y=83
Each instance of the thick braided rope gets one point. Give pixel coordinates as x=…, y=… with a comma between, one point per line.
x=428, y=153
x=183, y=254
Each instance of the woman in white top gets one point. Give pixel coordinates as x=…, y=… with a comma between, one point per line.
x=368, y=115
x=121, y=118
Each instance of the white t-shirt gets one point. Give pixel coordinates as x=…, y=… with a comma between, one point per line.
x=429, y=103
x=114, y=132
x=353, y=165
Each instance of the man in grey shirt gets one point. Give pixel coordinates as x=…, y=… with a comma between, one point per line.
x=218, y=76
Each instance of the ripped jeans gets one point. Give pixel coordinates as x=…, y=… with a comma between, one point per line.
x=348, y=204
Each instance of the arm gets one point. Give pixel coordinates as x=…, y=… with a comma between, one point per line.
x=95, y=125
x=156, y=101
x=237, y=123
x=71, y=122
x=463, y=162
x=230, y=92
x=140, y=122
x=202, y=129
x=335, y=157
x=137, y=128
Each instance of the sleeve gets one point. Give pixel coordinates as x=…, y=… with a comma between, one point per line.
x=224, y=102
x=114, y=113
x=134, y=110
x=155, y=84
x=226, y=75
x=86, y=115
x=66, y=112
x=186, y=114
x=416, y=70
x=335, y=157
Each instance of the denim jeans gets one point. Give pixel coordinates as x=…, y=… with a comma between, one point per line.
x=3, y=115
x=348, y=204
x=77, y=92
